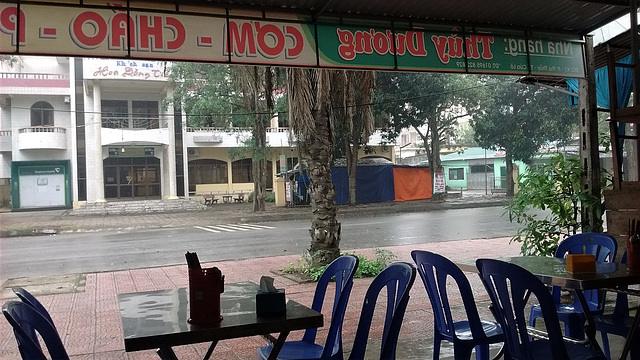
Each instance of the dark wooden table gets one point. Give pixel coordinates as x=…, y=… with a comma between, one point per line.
x=552, y=271
x=158, y=320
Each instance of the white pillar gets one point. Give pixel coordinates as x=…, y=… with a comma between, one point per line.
x=96, y=126
x=185, y=155
x=171, y=151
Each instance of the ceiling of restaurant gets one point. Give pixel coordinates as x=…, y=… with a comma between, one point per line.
x=577, y=17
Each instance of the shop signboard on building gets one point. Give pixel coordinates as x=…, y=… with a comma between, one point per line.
x=268, y=38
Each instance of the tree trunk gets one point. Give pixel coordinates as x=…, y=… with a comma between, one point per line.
x=510, y=182
x=259, y=164
x=352, y=165
x=325, y=228
x=434, y=156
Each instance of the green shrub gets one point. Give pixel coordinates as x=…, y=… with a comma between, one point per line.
x=366, y=267
x=554, y=187
x=269, y=197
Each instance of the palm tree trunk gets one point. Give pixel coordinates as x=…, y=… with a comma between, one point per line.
x=325, y=228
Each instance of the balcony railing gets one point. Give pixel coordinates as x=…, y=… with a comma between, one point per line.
x=33, y=80
x=5, y=140
x=234, y=129
x=43, y=129
x=35, y=76
x=131, y=123
x=42, y=137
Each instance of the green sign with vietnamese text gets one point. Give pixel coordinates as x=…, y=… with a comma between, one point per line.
x=277, y=39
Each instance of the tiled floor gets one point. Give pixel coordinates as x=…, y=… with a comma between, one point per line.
x=89, y=321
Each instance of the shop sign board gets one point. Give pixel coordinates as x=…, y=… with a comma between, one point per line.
x=140, y=31
x=439, y=186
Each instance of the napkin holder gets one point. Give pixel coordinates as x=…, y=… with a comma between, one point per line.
x=581, y=263
x=269, y=300
x=205, y=287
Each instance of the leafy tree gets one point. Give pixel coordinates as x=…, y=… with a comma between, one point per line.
x=430, y=103
x=518, y=119
x=465, y=136
x=309, y=116
x=208, y=94
x=351, y=99
x=230, y=96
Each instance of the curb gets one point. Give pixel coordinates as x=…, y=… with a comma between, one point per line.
x=277, y=214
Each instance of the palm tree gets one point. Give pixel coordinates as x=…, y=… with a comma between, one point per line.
x=308, y=92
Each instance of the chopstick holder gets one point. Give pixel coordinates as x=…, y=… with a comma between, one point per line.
x=205, y=287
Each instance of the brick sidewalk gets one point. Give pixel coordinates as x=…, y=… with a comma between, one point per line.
x=90, y=327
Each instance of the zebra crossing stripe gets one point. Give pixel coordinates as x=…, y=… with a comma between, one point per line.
x=220, y=228
x=260, y=226
x=250, y=227
x=205, y=229
x=233, y=227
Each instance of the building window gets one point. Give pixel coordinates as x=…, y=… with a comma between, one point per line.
x=41, y=114
x=456, y=174
x=481, y=168
x=241, y=171
x=115, y=114
x=207, y=171
x=145, y=114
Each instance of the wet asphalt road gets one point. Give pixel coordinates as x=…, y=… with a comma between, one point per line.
x=108, y=251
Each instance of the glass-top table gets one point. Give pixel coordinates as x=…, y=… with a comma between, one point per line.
x=158, y=320
x=552, y=271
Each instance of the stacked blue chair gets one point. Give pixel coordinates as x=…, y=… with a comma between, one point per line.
x=27, y=298
x=398, y=279
x=467, y=334
x=618, y=323
x=26, y=322
x=604, y=248
x=342, y=270
x=509, y=287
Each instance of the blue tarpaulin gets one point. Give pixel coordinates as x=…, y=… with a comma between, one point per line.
x=340, y=178
x=374, y=184
x=624, y=82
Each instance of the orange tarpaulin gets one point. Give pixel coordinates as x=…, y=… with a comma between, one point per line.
x=412, y=183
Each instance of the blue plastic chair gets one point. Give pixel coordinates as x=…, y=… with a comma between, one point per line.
x=29, y=299
x=618, y=323
x=467, y=334
x=26, y=321
x=509, y=287
x=604, y=248
x=342, y=269
x=397, y=278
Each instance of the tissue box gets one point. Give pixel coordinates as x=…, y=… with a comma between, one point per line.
x=581, y=263
x=270, y=303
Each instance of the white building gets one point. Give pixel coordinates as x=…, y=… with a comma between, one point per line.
x=76, y=130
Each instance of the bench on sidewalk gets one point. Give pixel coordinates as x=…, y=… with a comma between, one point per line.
x=239, y=198
x=209, y=198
